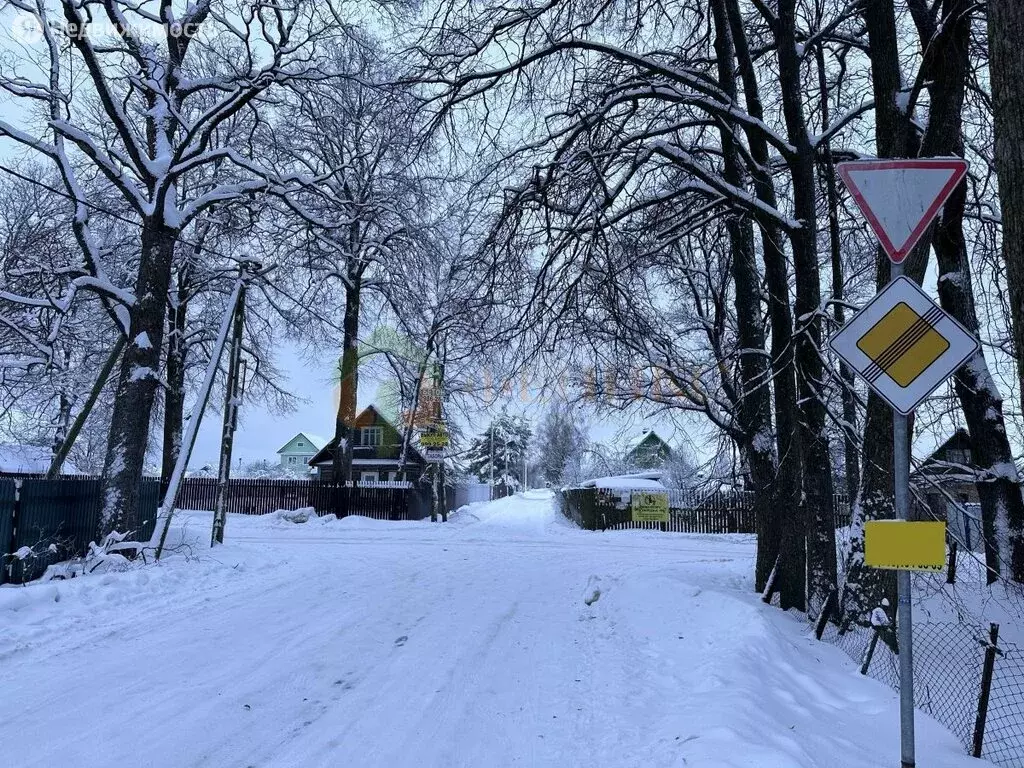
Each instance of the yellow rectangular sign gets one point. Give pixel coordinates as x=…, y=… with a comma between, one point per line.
x=903, y=545
x=434, y=439
x=649, y=507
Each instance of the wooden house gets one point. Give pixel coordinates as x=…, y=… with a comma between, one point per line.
x=949, y=471
x=376, y=451
x=649, y=451
x=296, y=453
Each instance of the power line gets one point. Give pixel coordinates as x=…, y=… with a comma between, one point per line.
x=101, y=209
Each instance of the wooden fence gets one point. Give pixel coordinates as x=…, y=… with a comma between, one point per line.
x=689, y=511
x=56, y=519
x=48, y=521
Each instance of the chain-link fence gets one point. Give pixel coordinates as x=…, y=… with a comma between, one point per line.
x=984, y=710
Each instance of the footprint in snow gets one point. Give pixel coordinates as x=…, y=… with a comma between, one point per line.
x=401, y=641
x=592, y=593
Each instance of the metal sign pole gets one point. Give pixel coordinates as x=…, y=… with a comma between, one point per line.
x=904, y=345
x=904, y=625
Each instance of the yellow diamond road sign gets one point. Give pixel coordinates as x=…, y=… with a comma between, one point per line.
x=903, y=344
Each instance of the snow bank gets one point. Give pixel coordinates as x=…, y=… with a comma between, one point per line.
x=639, y=481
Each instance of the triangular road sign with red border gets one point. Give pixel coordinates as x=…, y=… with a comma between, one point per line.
x=900, y=198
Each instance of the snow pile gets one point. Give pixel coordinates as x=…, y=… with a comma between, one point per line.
x=301, y=515
x=638, y=481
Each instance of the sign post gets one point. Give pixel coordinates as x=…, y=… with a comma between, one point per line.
x=904, y=346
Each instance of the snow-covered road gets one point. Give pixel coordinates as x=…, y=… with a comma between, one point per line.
x=505, y=638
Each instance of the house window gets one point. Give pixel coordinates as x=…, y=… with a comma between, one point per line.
x=300, y=444
x=373, y=436
x=293, y=459
x=370, y=477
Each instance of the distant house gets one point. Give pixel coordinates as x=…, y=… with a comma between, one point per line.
x=946, y=480
x=649, y=451
x=17, y=459
x=376, y=448
x=296, y=453
x=949, y=471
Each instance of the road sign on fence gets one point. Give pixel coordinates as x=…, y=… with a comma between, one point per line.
x=903, y=344
x=899, y=198
x=649, y=507
x=903, y=545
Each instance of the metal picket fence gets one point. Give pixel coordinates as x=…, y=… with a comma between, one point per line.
x=961, y=678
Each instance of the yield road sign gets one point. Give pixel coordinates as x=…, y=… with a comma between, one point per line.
x=903, y=344
x=900, y=198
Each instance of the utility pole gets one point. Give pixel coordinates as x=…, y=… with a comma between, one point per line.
x=232, y=397
x=492, y=460
x=166, y=510
x=69, y=440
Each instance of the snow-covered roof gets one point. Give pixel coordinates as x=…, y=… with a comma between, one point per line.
x=29, y=459
x=635, y=481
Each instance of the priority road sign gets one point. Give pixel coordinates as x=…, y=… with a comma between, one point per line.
x=899, y=198
x=903, y=344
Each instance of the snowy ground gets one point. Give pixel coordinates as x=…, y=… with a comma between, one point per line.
x=361, y=643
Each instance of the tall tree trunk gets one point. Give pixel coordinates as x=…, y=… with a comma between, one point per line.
x=138, y=380
x=785, y=497
x=348, y=384
x=754, y=409
x=174, y=394
x=819, y=522
x=864, y=587
x=1006, y=67
x=851, y=452
x=999, y=490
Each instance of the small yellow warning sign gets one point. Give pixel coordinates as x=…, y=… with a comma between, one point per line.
x=903, y=344
x=649, y=507
x=904, y=545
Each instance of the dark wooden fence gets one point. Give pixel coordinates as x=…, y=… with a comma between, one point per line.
x=57, y=519
x=689, y=511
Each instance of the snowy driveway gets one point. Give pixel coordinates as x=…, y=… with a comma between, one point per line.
x=469, y=645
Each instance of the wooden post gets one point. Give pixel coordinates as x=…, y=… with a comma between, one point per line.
x=870, y=652
x=954, y=548
x=232, y=394
x=94, y=393
x=825, y=615
x=991, y=649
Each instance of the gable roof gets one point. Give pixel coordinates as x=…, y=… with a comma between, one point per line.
x=960, y=439
x=314, y=440
x=366, y=417
x=648, y=435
